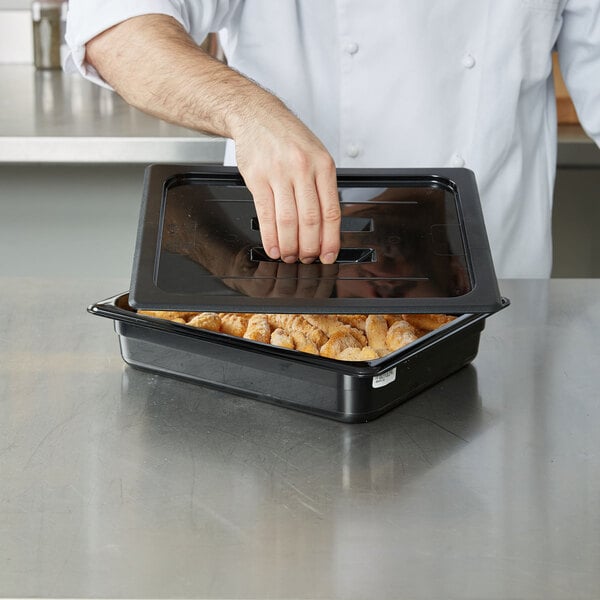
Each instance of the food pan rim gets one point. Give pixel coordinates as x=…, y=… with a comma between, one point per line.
x=108, y=308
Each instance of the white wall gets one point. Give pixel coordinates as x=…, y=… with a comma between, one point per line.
x=16, y=39
x=65, y=221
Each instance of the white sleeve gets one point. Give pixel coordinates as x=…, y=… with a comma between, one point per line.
x=578, y=47
x=88, y=18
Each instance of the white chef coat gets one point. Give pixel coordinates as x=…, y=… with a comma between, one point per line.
x=412, y=83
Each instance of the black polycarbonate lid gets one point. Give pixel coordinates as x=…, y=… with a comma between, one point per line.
x=412, y=241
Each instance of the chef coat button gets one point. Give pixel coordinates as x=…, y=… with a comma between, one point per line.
x=352, y=150
x=468, y=61
x=457, y=161
x=351, y=48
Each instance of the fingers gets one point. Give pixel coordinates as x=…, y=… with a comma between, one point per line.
x=293, y=180
x=319, y=214
x=289, y=220
x=331, y=216
x=264, y=203
x=309, y=220
x=286, y=219
x=308, y=217
x=300, y=220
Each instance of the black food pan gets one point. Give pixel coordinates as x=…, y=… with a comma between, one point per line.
x=348, y=391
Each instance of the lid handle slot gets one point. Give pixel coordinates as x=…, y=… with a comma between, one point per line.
x=345, y=255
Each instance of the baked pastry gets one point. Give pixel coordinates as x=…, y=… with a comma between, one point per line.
x=340, y=337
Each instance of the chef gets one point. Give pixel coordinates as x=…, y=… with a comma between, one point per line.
x=314, y=84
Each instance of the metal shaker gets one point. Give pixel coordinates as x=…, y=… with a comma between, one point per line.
x=49, y=17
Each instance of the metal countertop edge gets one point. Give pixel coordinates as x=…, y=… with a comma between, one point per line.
x=572, y=152
x=95, y=149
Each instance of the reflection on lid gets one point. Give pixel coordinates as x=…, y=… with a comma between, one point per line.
x=397, y=242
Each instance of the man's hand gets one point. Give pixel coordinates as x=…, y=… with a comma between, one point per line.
x=152, y=62
x=293, y=182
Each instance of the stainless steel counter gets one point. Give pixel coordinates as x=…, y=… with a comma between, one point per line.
x=121, y=483
x=51, y=117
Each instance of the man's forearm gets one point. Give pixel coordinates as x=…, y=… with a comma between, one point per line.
x=157, y=67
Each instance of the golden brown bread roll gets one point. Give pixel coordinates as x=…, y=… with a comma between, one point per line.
x=356, y=321
x=326, y=323
x=338, y=341
x=366, y=353
x=258, y=329
x=427, y=322
x=303, y=343
x=206, y=320
x=234, y=324
x=376, y=328
x=280, y=338
x=344, y=337
x=170, y=315
x=299, y=323
x=400, y=334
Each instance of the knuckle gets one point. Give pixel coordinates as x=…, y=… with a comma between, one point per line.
x=310, y=246
x=326, y=163
x=332, y=214
x=263, y=207
x=300, y=159
x=253, y=176
x=287, y=219
x=310, y=217
x=267, y=223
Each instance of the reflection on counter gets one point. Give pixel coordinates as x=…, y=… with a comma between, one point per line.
x=413, y=438
x=54, y=117
x=256, y=456
x=68, y=102
x=56, y=104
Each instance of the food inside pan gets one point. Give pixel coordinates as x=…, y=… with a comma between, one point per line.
x=337, y=336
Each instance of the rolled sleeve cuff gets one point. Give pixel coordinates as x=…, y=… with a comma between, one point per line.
x=85, y=23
